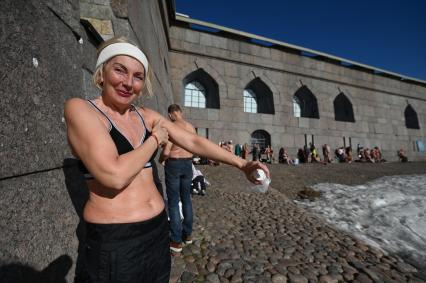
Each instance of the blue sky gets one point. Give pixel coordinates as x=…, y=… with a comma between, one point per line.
x=390, y=35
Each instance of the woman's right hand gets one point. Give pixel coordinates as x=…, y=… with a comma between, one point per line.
x=161, y=133
x=250, y=166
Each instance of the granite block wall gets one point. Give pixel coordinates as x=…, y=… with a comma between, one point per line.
x=378, y=101
x=47, y=57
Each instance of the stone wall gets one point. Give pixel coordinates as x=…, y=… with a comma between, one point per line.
x=378, y=101
x=47, y=57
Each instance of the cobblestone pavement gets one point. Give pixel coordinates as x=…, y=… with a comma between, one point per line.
x=253, y=237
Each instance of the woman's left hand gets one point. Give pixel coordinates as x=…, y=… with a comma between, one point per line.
x=250, y=167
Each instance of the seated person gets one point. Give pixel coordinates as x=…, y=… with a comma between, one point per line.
x=196, y=160
x=326, y=152
x=361, y=156
x=281, y=155
x=313, y=153
x=307, y=153
x=263, y=156
x=301, y=156
x=340, y=154
x=316, y=159
x=255, y=152
x=375, y=155
x=245, y=152
x=313, y=150
x=367, y=154
x=379, y=156
x=268, y=153
x=402, y=156
x=348, y=152
x=226, y=145
x=271, y=154
x=230, y=145
x=286, y=158
x=198, y=185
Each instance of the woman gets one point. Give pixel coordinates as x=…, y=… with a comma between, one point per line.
x=281, y=155
x=246, y=151
x=269, y=154
x=402, y=156
x=127, y=229
x=326, y=152
x=286, y=158
x=301, y=155
x=348, y=151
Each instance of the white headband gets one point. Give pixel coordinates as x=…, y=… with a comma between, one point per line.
x=122, y=48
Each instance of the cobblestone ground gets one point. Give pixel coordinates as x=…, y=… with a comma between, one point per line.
x=254, y=237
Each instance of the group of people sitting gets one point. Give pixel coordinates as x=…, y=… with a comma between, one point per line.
x=373, y=155
x=258, y=153
x=309, y=154
x=265, y=154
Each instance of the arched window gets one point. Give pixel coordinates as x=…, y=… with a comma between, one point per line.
x=411, y=119
x=195, y=95
x=261, y=95
x=261, y=137
x=250, y=104
x=204, y=93
x=343, y=110
x=296, y=106
x=307, y=103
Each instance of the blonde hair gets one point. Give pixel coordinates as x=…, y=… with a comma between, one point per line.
x=98, y=74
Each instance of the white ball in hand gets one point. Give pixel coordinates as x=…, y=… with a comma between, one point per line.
x=259, y=174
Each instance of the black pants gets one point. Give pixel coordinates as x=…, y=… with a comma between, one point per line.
x=129, y=252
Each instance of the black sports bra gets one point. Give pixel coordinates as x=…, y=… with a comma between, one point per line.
x=121, y=142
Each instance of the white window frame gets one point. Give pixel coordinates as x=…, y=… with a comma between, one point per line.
x=250, y=103
x=195, y=95
x=296, y=107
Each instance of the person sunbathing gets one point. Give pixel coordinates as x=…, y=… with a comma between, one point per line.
x=402, y=156
x=286, y=158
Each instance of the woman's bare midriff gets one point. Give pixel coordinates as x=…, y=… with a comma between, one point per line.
x=137, y=202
